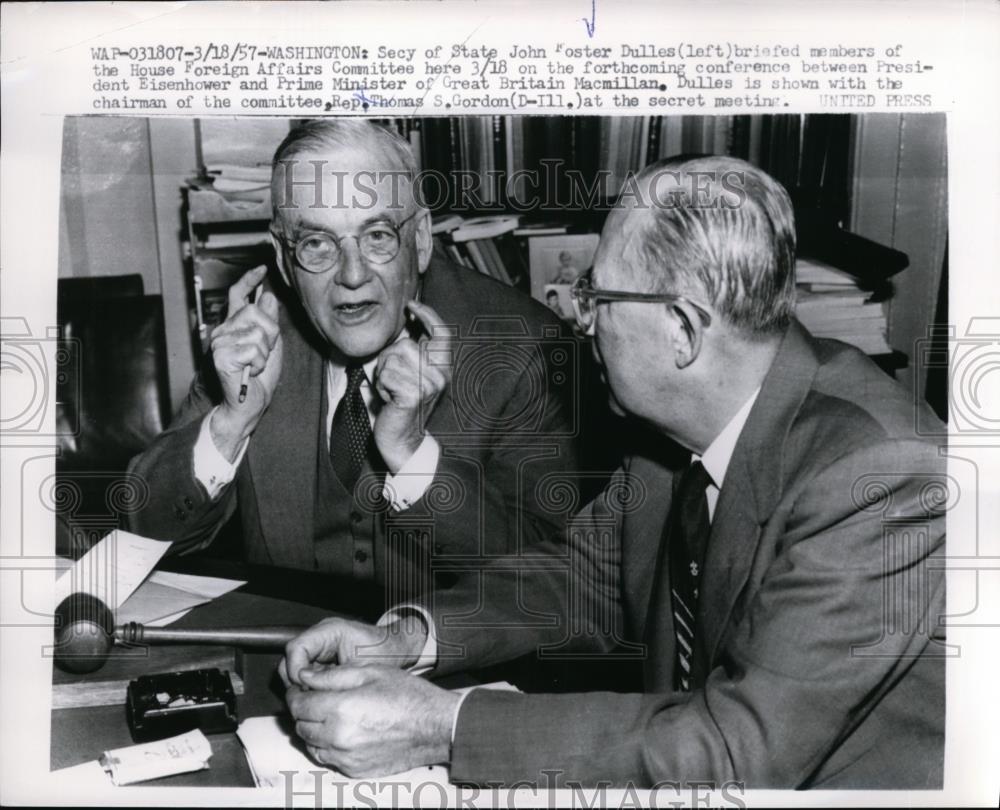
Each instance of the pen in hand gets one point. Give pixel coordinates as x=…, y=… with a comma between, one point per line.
x=245, y=376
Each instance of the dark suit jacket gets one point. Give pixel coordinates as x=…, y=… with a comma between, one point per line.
x=507, y=419
x=815, y=663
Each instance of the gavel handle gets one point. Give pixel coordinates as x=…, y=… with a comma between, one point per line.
x=267, y=637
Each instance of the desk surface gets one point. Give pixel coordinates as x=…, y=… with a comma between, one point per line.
x=276, y=596
x=83, y=734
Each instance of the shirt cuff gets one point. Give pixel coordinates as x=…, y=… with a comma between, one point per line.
x=212, y=469
x=458, y=708
x=428, y=655
x=406, y=487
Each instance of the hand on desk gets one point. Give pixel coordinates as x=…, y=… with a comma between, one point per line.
x=372, y=720
x=343, y=642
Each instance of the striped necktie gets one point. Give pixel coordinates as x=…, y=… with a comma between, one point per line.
x=689, y=532
x=351, y=437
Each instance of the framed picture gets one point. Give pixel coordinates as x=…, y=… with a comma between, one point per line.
x=557, y=299
x=555, y=262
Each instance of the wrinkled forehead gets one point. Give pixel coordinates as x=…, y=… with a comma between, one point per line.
x=362, y=182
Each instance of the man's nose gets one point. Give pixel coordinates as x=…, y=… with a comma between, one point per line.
x=353, y=271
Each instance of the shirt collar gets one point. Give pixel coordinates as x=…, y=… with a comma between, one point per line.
x=717, y=455
x=369, y=367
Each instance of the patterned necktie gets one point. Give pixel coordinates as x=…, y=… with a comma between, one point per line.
x=351, y=436
x=689, y=532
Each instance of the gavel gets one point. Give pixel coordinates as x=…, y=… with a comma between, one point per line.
x=85, y=632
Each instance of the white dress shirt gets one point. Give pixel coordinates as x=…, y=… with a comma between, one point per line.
x=718, y=454
x=402, y=490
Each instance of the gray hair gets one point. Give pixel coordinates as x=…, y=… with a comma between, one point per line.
x=724, y=231
x=391, y=151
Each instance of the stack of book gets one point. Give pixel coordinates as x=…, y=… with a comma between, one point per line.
x=235, y=183
x=830, y=304
x=483, y=243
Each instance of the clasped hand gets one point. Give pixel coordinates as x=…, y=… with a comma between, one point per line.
x=372, y=720
x=353, y=706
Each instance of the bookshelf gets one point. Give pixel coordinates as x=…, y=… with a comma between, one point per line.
x=226, y=237
x=489, y=225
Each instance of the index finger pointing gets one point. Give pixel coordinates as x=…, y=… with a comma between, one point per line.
x=432, y=323
x=240, y=291
x=440, y=335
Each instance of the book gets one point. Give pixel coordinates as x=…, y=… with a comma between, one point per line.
x=457, y=256
x=541, y=229
x=489, y=250
x=446, y=223
x=478, y=260
x=485, y=227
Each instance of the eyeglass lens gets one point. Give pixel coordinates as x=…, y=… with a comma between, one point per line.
x=318, y=252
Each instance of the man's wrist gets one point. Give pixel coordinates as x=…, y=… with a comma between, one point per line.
x=229, y=430
x=401, y=452
x=441, y=722
x=407, y=637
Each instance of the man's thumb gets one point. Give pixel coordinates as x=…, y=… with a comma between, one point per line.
x=269, y=305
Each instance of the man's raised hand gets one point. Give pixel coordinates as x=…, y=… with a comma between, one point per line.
x=410, y=376
x=248, y=338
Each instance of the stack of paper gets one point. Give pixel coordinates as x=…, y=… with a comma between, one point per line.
x=117, y=571
x=830, y=304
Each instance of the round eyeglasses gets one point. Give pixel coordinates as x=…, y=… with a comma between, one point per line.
x=585, y=299
x=320, y=251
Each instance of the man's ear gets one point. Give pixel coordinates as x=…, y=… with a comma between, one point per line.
x=279, y=258
x=686, y=331
x=425, y=244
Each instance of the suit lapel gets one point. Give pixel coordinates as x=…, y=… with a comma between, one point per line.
x=731, y=548
x=750, y=492
x=642, y=550
x=288, y=430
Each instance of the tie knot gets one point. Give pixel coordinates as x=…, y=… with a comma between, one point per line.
x=694, y=482
x=355, y=378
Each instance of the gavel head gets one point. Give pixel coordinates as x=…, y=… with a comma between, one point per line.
x=84, y=633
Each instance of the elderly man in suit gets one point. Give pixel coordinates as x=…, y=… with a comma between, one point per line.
x=389, y=409
x=776, y=560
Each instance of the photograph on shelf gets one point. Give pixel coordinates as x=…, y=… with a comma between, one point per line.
x=555, y=262
x=558, y=300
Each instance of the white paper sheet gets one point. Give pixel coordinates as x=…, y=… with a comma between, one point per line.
x=164, y=597
x=113, y=568
x=209, y=587
x=139, y=763
x=82, y=778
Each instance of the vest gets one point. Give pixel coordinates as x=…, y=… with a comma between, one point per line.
x=345, y=524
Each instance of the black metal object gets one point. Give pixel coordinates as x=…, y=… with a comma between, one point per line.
x=160, y=706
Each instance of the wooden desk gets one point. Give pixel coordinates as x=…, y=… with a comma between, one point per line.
x=83, y=734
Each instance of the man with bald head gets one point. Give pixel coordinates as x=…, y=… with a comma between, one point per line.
x=376, y=409
x=774, y=558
